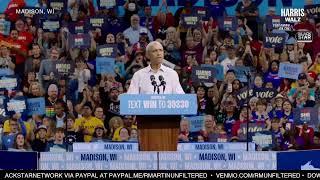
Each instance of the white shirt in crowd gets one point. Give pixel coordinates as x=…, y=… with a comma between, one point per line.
x=228, y=63
x=142, y=84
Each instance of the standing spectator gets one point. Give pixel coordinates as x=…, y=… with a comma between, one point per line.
x=87, y=123
x=132, y=33
x=46, y=72
x=248, y=9
x=51, y=99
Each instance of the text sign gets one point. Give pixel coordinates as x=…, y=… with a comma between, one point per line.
x=226, y=160
x=98, y=161
x=172, y=104
x=290, y=70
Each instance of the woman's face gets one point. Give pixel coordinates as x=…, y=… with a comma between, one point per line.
x=99, y=132
x=211, y=92
x=213, y=56
x=269, y=85
x=287, y=106
x=258, y=81
x=200, y=93
x=279, y=102
x=134, y=133
x=261, y=108
x=124, y=134
x=236, y=85
x=197, y=35
x=274, y=67
x=301, y=45
x=110, y=39
x=253, y=104
x=184, y=126
x=36, y=50
x=116, y=124
x=207, y=61
x=70, y=123
x=35, y=89
x=20, y=140
x=209, y=123
x=171, y=33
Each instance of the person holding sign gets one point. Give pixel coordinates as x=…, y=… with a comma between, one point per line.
x=162, y=79
x=302, y=95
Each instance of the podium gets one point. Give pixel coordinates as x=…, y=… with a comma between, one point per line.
x=158, y=117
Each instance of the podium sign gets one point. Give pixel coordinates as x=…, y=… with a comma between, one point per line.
x=146, y=104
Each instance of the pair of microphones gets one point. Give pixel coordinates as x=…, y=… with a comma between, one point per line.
x=156, y=86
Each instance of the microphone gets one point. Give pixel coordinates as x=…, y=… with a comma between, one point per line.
x=162, y=83
x=152, y=78
x=153, y=83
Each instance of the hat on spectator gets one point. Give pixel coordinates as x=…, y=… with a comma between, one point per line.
x=302, y=76
x=41, y=127
x=312, y=74
x=88, y=104
x=291, y=40
x=143, y=31
x=279, y=96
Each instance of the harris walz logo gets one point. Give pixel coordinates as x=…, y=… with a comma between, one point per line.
x=292, y=15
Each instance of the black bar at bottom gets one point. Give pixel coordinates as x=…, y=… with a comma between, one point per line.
x=75, y=174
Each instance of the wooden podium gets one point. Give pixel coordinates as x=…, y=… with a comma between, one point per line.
x=158, y=117
x=158, y=133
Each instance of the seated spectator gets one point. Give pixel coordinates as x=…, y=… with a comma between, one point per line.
x=134, y=135
x=128, y=124
x=124, y=134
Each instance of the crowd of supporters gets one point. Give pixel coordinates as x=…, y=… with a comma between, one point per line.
x=84, y=107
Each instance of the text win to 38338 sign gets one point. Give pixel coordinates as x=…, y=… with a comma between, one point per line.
x=171, y=104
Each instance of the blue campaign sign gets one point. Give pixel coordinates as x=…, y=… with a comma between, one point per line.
x=274, y=40
x=16, y=105
x=8, y=83
x=107, y=50
x=97, y=22
x=36, y=106
x=307, y=114
x=105, y=147
x=98, y=161
x=228, y=23
x=5, y=27
x=263, y=139
x=105, y=4
x=79, y=40
x=147, y=104
x=303, y=160
x=289, y=70
x=58, y=5
x=105, y=65
x=50, y=25
x=195, y=122
x=240, y=73
x=218, y=70
x=203, y=74
x=202, y=147
x=217, y=160
x=79, y=27
x=10, y=160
